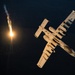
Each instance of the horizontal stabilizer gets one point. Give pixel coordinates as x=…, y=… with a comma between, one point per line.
x=38, y=32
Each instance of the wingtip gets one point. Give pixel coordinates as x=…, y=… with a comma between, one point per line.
x=39, y=66
x=35, y=36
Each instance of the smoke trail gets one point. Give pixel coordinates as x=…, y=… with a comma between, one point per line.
x=8, y=18
x=6, y=10
x=11, y=36
x=8, y=21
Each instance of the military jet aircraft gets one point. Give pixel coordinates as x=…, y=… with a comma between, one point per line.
x=53, y=38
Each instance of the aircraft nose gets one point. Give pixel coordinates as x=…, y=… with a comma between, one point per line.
x=72, y=53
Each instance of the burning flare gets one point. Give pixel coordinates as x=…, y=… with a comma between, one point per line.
x=11, y=34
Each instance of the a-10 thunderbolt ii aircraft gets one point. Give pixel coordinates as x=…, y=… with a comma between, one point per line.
x=53, y=38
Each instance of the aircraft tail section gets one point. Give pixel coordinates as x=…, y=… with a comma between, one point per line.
x=38, y=32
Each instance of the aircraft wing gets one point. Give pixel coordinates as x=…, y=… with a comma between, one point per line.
x=63, y=27
x=49, y=48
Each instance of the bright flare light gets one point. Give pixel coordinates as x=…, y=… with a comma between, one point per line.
x=11, y=34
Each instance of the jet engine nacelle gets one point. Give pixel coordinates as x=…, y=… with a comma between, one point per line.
x=52, y=29
x=46, y=38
